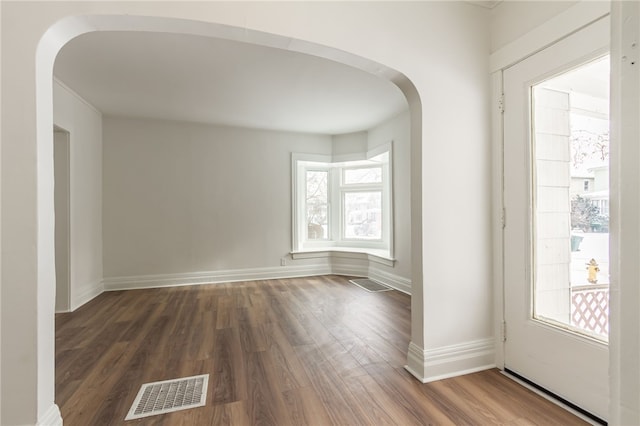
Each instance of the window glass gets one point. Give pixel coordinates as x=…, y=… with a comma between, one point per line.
x=317, y=204
x=363, y=175
x=363, y=215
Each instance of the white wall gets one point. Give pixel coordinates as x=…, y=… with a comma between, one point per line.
x=397, y=130
x=350, y=143
x=185, y=201
x=84, y=124
x=520, y=29
x=437, y=52
x=513, y=19
x=182, y=197
x=455, y=205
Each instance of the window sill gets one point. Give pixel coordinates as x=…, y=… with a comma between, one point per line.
x=379, y=256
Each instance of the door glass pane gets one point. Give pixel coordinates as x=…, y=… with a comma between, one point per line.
x=570, y=152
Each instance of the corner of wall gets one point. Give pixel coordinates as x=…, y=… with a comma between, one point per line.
x=83, y=122
x=86, y=294
x=51, y=417
x=428, y=365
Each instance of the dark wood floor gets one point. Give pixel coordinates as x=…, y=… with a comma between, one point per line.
x=315, y=351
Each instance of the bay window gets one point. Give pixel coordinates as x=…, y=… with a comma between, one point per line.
x=343, y=205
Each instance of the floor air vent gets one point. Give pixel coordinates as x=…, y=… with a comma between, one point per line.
x=370, y=285
x=169, y=396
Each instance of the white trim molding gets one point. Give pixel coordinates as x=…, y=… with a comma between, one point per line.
x=428, y=365
x=363, y=269
x=51, y=417
x=77, y=96
x=212, y=277
x=379, y=256
x=86, y=294
x=556, y=28
x=498, y=212
x=394, y=281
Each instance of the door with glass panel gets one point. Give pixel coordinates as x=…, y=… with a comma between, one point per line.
x=556, y=238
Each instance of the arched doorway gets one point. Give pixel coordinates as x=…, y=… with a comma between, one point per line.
x=65, y=30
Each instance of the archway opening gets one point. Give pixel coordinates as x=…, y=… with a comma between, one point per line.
x=68, y=29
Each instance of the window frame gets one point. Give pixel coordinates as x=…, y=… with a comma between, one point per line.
x=336, y=239
x=351, y=188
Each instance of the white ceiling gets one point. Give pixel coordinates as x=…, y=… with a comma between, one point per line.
x=590, y=79
x=201, y=79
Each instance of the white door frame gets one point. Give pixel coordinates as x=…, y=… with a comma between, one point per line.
x=566, y=23
x=568, y=364
x=624, y=344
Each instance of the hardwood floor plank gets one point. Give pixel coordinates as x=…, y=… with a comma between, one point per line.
x=340, y=406
x=379, y=411
x=288, y=371
x=137, y=325
x=302, y=351
x=83, y=403
x=482, y=398
x=460, y=409
x=406, y=395
x=265, y=405
x=208, y=299
x=305, y=407
x=251, y=332
x=529, y=404
x=203, y=336
x=77, y=362
x=228, y=382
x=341, y=360
x=232, y=414
x=226, y=311
x=117, y=402
x=282, y=311
x=311, y=329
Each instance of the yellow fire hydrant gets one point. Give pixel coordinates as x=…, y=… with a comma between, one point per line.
x=592, y=271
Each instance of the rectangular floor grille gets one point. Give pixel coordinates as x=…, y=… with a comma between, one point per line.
x=370, y=285
x=169, y=396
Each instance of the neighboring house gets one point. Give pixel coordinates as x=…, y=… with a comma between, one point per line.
x=592, y=185
x=581, y=183
x=599, y=195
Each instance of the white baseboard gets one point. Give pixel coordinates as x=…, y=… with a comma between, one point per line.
x=212, y=277
x=51, y=417
x=394, y=281
x=351, y=270
x=293, y=271
x=372, y=270
x=86, y=294
x=450, y=361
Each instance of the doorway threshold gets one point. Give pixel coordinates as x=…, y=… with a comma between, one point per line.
x=556, y=399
